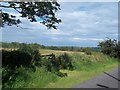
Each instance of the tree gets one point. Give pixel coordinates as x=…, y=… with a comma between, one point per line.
x=33, y=11
x=107, y=46
x=117, y=49
x=110, y=47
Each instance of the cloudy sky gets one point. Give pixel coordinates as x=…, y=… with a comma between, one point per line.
x=83, y=24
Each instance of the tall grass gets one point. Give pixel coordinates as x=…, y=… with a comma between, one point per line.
x=26, y=78
x=92, y=62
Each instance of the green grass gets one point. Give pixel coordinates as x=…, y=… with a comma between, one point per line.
x=86, y=67
x=0, y=77
x=30, y=79
x=85, y=70
x=76, y=77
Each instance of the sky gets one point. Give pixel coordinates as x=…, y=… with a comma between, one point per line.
x=84, y=24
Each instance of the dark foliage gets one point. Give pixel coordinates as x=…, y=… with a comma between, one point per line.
x=54, y=64
x=64, y=61
x=33, y=11
x=28, y=56
x=24, y=56
x=8, y=76
x=15, y=59
x=110, y=47
x=16, y=45
x=88, y=51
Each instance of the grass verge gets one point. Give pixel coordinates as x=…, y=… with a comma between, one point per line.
x=85, y=70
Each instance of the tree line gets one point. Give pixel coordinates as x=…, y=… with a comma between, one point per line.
x=14, y=45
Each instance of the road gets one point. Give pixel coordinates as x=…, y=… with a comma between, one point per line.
x=103, y=79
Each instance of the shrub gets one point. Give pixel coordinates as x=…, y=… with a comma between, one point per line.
x=34, y=52
x=50, y=64
x=24, y=56
x=7, y=76
x=88, y=51
x=55, y=64
x=15, y=59
x=64, y=61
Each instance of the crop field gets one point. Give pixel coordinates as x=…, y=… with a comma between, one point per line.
x=58, y=52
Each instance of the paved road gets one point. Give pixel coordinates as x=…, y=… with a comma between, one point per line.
x=102, y=79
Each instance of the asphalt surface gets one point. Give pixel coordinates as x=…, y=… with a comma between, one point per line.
x=102, y=81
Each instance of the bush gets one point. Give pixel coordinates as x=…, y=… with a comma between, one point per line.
x=24, y=56
x=7, y=77
x=15, y=59
x=88, y=51
x=61, y=62
x=64, y=61
x=117, y=50
x=16, y=64
x=30, y=50
x=50, y=64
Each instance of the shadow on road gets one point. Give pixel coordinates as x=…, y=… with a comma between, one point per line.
x=104, y=86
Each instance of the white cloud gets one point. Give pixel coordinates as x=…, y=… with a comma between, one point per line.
x=88, y=39
x=85, y=23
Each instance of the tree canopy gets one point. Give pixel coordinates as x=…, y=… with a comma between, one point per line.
x=110, y=47
x=43, y=12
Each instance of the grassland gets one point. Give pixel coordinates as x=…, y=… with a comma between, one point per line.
x=86, y=67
